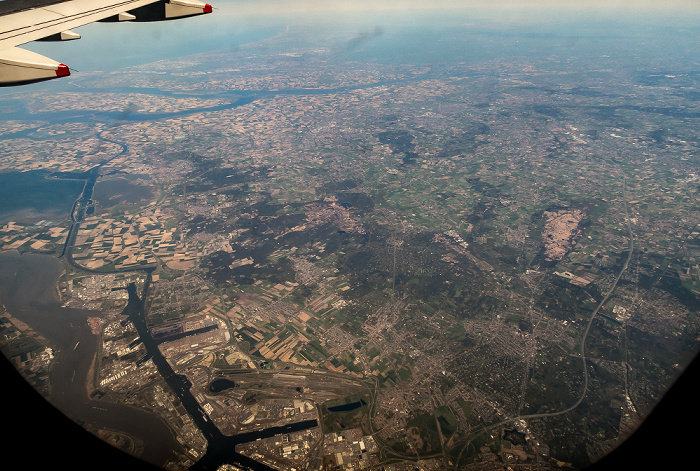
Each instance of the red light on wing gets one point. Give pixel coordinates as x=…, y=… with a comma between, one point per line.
x=62, y=71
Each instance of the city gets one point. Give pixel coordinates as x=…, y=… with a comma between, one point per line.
x=487, y=265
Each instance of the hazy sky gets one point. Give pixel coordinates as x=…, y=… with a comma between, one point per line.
x=108, y=47
x=514, y=12
x=620, y=6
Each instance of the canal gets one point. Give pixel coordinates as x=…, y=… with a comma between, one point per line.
x=220, y=448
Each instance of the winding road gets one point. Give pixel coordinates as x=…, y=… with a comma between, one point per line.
x=582, y=396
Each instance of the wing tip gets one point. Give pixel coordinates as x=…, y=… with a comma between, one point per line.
x=62, y=70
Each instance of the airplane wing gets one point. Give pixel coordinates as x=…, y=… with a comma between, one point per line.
x=23, y=21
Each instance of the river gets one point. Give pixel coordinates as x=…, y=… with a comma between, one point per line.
x=234, y=98
x=28, y=288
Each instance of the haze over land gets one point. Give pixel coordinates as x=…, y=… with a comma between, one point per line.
x=462, y=238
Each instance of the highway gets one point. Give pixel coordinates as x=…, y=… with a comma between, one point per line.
x=584, y=391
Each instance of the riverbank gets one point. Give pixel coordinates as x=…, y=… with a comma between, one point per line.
x=28, y=290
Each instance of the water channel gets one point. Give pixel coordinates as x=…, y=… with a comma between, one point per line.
x=28, y=288
x=220, y=448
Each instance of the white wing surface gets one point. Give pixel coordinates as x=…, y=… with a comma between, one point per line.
x=25, y=21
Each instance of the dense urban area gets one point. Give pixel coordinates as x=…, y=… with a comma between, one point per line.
x=488, y=265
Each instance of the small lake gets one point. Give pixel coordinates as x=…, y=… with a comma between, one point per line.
x=120, y=191
x=219, y=385
x=348, y=407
